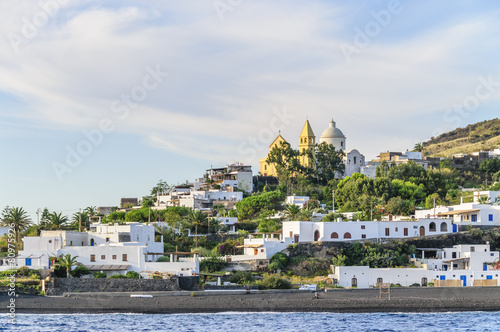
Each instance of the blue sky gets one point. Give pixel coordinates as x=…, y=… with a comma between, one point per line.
x=205, y=80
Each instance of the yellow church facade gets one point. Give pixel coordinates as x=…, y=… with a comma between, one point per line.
x=307, y=141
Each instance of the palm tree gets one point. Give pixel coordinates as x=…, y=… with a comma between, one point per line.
x=291, y=211
x=67, y=261
x=57, y=220
x=80, y=217
x=91, y=211
x=16, y=218
x=197, y=218
x=419, y=147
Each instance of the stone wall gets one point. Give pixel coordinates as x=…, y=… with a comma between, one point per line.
x=61, y=285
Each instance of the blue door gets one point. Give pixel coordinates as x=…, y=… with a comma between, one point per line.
x=474, y=218
x=27, y=262
x=485, y=267
x=455, y=228
x=91, y=242
x=464, y=280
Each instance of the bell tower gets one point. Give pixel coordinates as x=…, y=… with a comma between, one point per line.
x=307, y=142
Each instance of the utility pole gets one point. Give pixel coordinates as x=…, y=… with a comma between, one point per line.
x=434, y=198
x=149, y=215
x=38, y=216
x=333, y=198
x=371, y=211
x=80, y=220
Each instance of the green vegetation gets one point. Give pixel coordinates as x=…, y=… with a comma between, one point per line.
x=476, y=137
x=375, y=255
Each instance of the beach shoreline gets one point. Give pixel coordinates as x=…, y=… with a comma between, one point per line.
x=335, y=301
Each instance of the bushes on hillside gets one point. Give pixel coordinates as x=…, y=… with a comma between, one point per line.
x=274, y=282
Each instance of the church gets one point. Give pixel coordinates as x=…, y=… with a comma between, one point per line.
x=353, y=159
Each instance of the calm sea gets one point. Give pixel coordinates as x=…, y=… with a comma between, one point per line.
x=236, y=322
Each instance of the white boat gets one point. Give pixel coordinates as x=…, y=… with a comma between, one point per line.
x=138, y=295
x=311, y=287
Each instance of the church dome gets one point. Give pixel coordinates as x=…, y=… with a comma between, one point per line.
x=332, y=132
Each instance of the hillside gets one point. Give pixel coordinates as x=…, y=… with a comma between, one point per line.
x=475, y=137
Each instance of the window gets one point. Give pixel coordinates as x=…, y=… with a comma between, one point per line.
x=474, y=218
x=27, y=262
x=265, y=167
x=82, y=243
x=261, y=250
x=444, y=227
x=107, y=239
x=291, y=234
x=342, y=144
x=114, y=256
x=387, y=232
x=490, y=217
x=334, y=235
x=347, y=235
x=92, y=258
x=363, y=227
x=124, y=257
x=472, y=249
x=103, y=256
x=70, y=243
x=363, y=236
x=405, y=232
x=432, y=227
x=355, y=160
x=50, y=241
x=453, y=255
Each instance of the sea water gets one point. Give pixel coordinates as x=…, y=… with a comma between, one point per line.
x=236, y=322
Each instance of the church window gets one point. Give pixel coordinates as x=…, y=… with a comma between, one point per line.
x=355, y=160
x=342, y=144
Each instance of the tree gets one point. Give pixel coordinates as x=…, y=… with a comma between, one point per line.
x=17, y=219
x=419, y=147
x=80, y=218
x=286, y=161
x=292, y=211
x=197, y=218
x=251, y=207
x=67, y=261
x=160, y=188
x=56, y=220
x=328, y=162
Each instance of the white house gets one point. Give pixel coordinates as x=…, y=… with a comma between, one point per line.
x=474, y=214
x=235, y=176
x=306, y=231
x=197, y=199
x=114, y=249
x=230, y=222
x=354, y=161
x=300, y=201
x=462, y=265
x=262, y=248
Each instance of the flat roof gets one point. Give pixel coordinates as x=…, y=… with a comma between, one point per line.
x=250, y=246
x=451, y=213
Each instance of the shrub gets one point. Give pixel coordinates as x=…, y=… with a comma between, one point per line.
x=118, y=276
x=212, y=263
x=23, y=271
x=133, y=275
x=60, y=271
x=274, y=282
x=242, y=278
x=163, y=259
x=79, y=271
x=278, y=261
x=99, y=275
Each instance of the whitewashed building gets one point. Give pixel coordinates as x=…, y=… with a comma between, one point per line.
x=473, y=214
x=235, y=176
x=300, y=201
x=114, y=249
x=306, y=231
x=197, y=199
x=462, y=265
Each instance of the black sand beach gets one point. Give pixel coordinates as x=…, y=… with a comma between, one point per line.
x=341, y=301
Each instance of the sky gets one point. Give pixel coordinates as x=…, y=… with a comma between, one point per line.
x=100, y=100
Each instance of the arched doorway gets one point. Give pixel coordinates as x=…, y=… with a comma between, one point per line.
x=424, y=282
x=91, y=242
x=380, y=281
x=334, y=235
x=422, y=231
x=432, y=227
x=354, y=282
x=444, y=227
x=316, y=236
x=347, y=235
